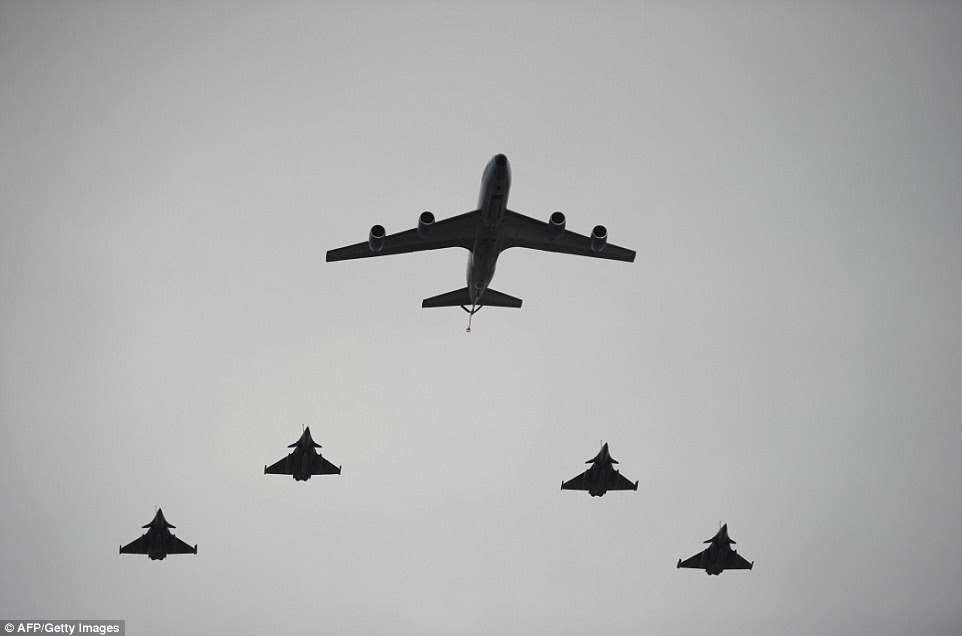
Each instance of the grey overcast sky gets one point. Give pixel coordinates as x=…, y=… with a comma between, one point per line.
x=784, y=355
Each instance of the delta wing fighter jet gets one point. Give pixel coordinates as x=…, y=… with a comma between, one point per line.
x=601, y=477
x=718, y=556
x=485, y=233
x=303, y=461
x=158, y=541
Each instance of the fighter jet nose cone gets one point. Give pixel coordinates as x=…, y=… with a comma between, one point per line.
x=500, y=161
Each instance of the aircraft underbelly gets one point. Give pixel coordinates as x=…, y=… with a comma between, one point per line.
x=714, y=562
x=596, y=479
x=302, y=469
x=481, y=266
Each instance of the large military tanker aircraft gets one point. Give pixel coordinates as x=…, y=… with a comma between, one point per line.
x=485, y=232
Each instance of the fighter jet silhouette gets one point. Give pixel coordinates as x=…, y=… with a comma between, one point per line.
x=718, y=556
x=303, y=461
x=601, y=477
x=158, y=541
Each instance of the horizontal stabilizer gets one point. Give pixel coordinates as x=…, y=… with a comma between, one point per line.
x=455, y=298
x=492, y=298
x=461, y=298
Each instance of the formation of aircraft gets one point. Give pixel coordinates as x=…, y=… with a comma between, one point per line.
x=158, y=541
x=485, y=233
x=303, y=461
x=718, y=556
x=601, y=477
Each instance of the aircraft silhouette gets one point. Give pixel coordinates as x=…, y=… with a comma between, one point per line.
x=158, y=541
x=303, y=461
x=718, y=556
x=485, y=232
x=600, y=477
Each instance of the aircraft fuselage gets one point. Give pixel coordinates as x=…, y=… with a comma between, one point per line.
x=156, y=541
x=302, y=458
x=596, y=481
x=599, y=473
x=717, y=553
x=493, y=201
x=598, y=476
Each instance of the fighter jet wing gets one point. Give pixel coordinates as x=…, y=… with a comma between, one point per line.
x=280, y=467
x=575, y=483
x=457, y=231
x=523, y=231
x=137, y=546
x=735, y=561
x=323, y=467
x=618, y=481
x=179, y=547
x=693, y=562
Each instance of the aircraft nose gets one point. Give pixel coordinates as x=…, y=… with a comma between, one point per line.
x=500, y=161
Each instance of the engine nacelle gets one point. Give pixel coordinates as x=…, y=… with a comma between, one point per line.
x=425, y=223
x=599, y=238
x=557, y=224
x=375, y=239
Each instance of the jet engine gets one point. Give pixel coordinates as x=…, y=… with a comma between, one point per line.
x=557, y=224
x=376, y=238
x=425, y=223
x=599, y=238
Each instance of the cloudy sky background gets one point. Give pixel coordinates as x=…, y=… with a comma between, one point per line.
x=785, y=354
